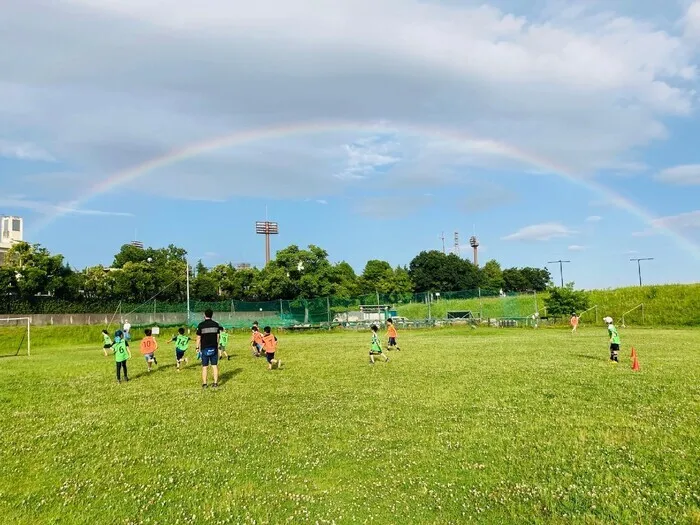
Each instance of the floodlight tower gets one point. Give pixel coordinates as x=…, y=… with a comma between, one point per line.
x=474, y=243
x=456, y=243
x=266, y=228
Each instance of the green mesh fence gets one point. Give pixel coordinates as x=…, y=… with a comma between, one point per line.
x=418, y=309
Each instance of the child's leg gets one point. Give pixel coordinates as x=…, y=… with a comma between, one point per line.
x=119, y=369
x=126, y=374
x=371, y=358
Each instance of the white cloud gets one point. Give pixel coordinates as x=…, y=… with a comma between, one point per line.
x=540, y=232
x=683, y=222
x=43, y=207
x=321, y=201
x=24, y=151
x=685, y=175
x=692, y=20
x=594, y=218
x=367, y=156
x=576, y=248
x=196, y=71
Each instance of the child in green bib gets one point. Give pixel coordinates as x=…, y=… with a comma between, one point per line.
x=120, y=349
x=223, y=341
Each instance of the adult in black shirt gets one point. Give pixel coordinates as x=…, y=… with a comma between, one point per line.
x=208, y=343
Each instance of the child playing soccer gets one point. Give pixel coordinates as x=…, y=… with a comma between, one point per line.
x=574, y=322
x=614, y=340
x=256, y=341
x=391, y=334
x=106, y=341
x=120, y=349
x=270, y=347
x=149, y=345
x=182, y=342
x=376, y=348
x=223, y=341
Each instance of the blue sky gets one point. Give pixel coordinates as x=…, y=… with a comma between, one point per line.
x=524, y=122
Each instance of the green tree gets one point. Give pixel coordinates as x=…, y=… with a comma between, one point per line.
x=32, y=271
x=565, y=301
x=241, y=284
x=205, y=287
x=377, y=276
x=345, y=281
x=433, y=271
x=492, y=276
x=272, y=282
x=98, y=283
x=402, y=283
x=513, y=280
x=537, y=279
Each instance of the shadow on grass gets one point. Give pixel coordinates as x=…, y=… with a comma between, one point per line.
x=156, y=370
x=224, y=377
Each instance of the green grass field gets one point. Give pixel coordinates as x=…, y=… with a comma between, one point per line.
x=488, y=426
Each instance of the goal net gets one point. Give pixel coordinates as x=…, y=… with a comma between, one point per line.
x=15, y=337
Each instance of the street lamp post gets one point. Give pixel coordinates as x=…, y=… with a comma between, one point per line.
x=561, y=269
x=639, y=266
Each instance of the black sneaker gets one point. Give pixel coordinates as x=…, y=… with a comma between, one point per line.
x=126, y=379
x=215, y=385
x=204, y=386
x=228, y=358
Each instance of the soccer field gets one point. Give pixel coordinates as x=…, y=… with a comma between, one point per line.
x=489, y=426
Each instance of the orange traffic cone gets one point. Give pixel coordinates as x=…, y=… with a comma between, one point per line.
x=633, y=354
x=635, y=364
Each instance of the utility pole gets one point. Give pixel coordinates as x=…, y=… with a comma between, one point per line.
x=187, y=265
x=561, y=269
x=443, y=241
x=639, y=266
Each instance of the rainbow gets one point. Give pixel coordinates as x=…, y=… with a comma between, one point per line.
x=278, y=131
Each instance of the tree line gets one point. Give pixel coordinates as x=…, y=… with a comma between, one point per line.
x=139, y=274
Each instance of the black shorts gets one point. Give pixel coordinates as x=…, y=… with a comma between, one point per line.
x=269, y=356
x=107, y=347
x=210, y=357
x=179, y=354
x=614, y=347
x=392, y=341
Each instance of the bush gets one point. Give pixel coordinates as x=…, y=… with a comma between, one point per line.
x=565, y=301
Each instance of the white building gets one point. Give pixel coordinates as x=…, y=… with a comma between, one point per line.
x=11, y=231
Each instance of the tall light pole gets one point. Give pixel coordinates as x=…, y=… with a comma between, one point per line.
x=639, y=266
x=266, y=228
x=561, y=269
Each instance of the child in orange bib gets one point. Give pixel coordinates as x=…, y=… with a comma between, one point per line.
x=574, y=322
x=149, y=345
x=391, y=334
x=270, y=347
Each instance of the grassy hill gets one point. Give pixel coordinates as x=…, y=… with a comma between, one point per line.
x=671, y=305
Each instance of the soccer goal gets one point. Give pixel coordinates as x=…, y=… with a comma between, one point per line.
x=15, y=336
